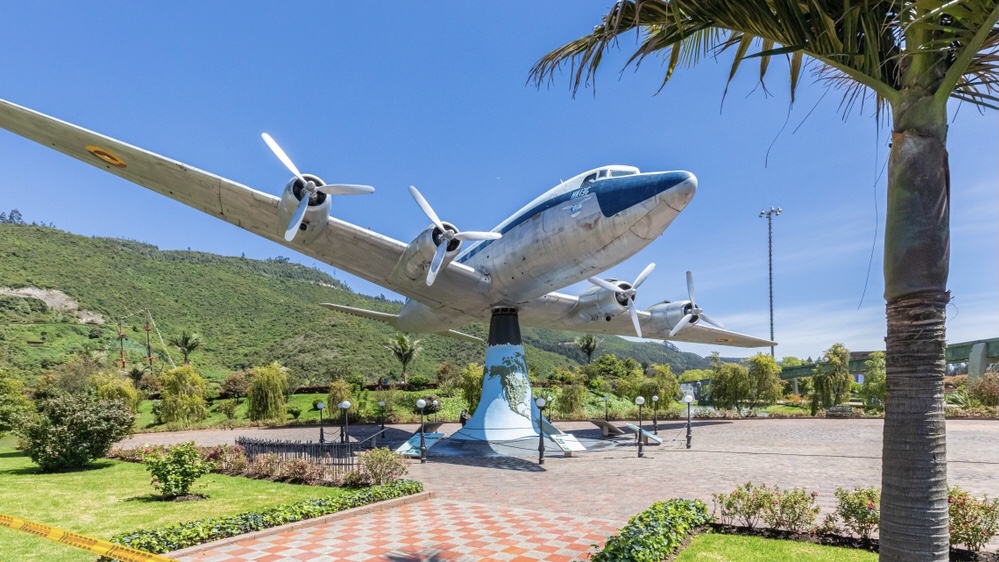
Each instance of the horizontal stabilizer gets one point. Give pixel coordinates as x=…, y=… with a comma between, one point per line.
x=392, y=320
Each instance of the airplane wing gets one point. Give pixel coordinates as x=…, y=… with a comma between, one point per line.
x=354, y=249
x=556, y=310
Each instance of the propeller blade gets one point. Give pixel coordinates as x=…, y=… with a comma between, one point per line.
x=681, y=325
x=478, y=236
x=435, y=264
x=643, y=275
x=283, y=158
x=296, y=219
x=708, y=319
x=634, y=316
x=427, y=209
x=604, y=284
x=346, y=189
x=690, y=288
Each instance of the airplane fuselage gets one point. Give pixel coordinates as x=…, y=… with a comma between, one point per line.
x=577, y=229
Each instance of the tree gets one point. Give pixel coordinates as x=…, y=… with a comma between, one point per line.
x=836, y=362
x=471, y=385
x=266, y=392
x=765, y=386
x=873, y=391
x=662, y=383
x=405, y=351
x=588, y=343
x=182, y=396
x=186, y=344
x=113, y=386
x=70, y=431
x=911, y=56
x=234, y=386
x=14, y=405
x=730, y=385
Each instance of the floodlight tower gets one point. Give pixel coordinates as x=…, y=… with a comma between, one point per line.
x=770, y=253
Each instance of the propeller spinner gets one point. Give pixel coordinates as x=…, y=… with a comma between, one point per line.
x=309, y=188
x=695, y=311
x=448, y=233
x=628, y=293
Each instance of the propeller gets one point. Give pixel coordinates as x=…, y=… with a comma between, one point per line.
x=695, y=311
x=448, y=233
x=309, y=188
x=628, y=293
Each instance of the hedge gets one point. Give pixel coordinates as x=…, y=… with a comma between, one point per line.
x=655, y=533
x=183, y=535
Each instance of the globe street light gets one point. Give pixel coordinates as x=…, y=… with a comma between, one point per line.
x=541, y=432
x=639, y=400
x=344, y=436
x=688, y=399
x=770, y=253
x=320, y=406
x=655, y=414
x=436, y=408
x=381, y=404
x=421, y=404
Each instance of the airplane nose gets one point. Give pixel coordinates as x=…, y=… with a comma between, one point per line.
x=680, y=194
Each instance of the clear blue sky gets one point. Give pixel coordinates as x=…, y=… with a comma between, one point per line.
x=435, y=95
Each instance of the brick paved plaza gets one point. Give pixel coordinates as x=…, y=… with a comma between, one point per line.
x=512, y=509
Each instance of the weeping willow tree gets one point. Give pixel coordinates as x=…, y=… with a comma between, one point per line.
x=911, y=57
x=265, y=393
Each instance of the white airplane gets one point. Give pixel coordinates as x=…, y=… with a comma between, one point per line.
x=572, y=232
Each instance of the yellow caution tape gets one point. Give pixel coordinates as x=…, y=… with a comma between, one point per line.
x=97, y=546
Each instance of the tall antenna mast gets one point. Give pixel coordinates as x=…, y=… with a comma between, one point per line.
x=121, y=343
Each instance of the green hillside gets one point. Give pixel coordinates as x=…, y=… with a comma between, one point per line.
x=247, y=312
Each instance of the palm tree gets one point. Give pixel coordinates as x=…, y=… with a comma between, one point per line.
x=588, y=345
x=911, y=56
x=186, y=344
x=405, y=350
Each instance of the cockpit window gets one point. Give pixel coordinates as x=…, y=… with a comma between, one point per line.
x=590, y=179
x=619, y=173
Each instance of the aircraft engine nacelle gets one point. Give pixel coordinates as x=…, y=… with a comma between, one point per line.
x=316, y=215
x=669, y=314
x=416, y=259
x=598, y=303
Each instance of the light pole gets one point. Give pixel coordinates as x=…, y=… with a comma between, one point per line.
x=655, y=414
x=770, y=253
x=381, y=404
x=606, y=408
x=688, y=399
x=421, y=404
x=436, y=409
x=640, y=400
x=344, y=435
x=320, y=406
x=541, y=431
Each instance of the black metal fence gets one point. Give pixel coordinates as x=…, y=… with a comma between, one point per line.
x=334, y=457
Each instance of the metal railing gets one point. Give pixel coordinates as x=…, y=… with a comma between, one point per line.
x=334, y=457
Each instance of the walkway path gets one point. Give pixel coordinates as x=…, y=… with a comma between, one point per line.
x=512, y=509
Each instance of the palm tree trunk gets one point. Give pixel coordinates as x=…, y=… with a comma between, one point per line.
x=914, y=522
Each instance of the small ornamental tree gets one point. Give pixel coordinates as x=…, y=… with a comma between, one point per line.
x=112, y=386
x=174, y=471
x=765, y=386
x=266, y=392
x=471, y=385
x=730, y=385
x=234, y=386
x=182, y=396
x=875, y=386
x=14, y=405
x=71, y=431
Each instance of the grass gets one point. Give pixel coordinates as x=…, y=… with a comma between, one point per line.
x=732, y=548
x=113, y=497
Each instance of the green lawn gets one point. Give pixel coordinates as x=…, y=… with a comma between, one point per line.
x=732, y=548
x=113, y=497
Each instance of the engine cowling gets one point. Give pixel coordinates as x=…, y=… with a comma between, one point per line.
x=598, y=303
x=416, y=259
x=316, y=216
x=666, y=315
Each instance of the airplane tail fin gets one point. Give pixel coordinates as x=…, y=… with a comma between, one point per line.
x=393, y=320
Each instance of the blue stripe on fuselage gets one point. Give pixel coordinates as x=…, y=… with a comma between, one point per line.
x=613, y=196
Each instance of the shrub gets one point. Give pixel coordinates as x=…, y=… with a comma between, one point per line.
x=570, y=399
x=71, y=431
x=174, y=537
x=986, y=389
x=298, y=471
x=234, y=386
x=655, y=533
x=430, y=408
x=227, y=408
x=744, y=505
x=380, y=466
x=266, y=392
x=112, y=386
x=793, y=510
x=340, y=390
x=295, y=411
x=176, y=470
x=973, y=521
x=150, y=384
x=14, y=405
x=182, y=396
x=860, y=509
x=226, y=459
x=418, y=382
x=471, y=385
x=265, y=466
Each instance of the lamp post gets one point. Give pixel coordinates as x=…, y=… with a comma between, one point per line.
x=606, y=408
x=541, y=432
x=421, y=404
x=655, y=414
x=381, y=404
x=436, y=409
x=344, y=435
x=688, y=399
x=320, y=406
x=640, y=400
x=770, y=253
